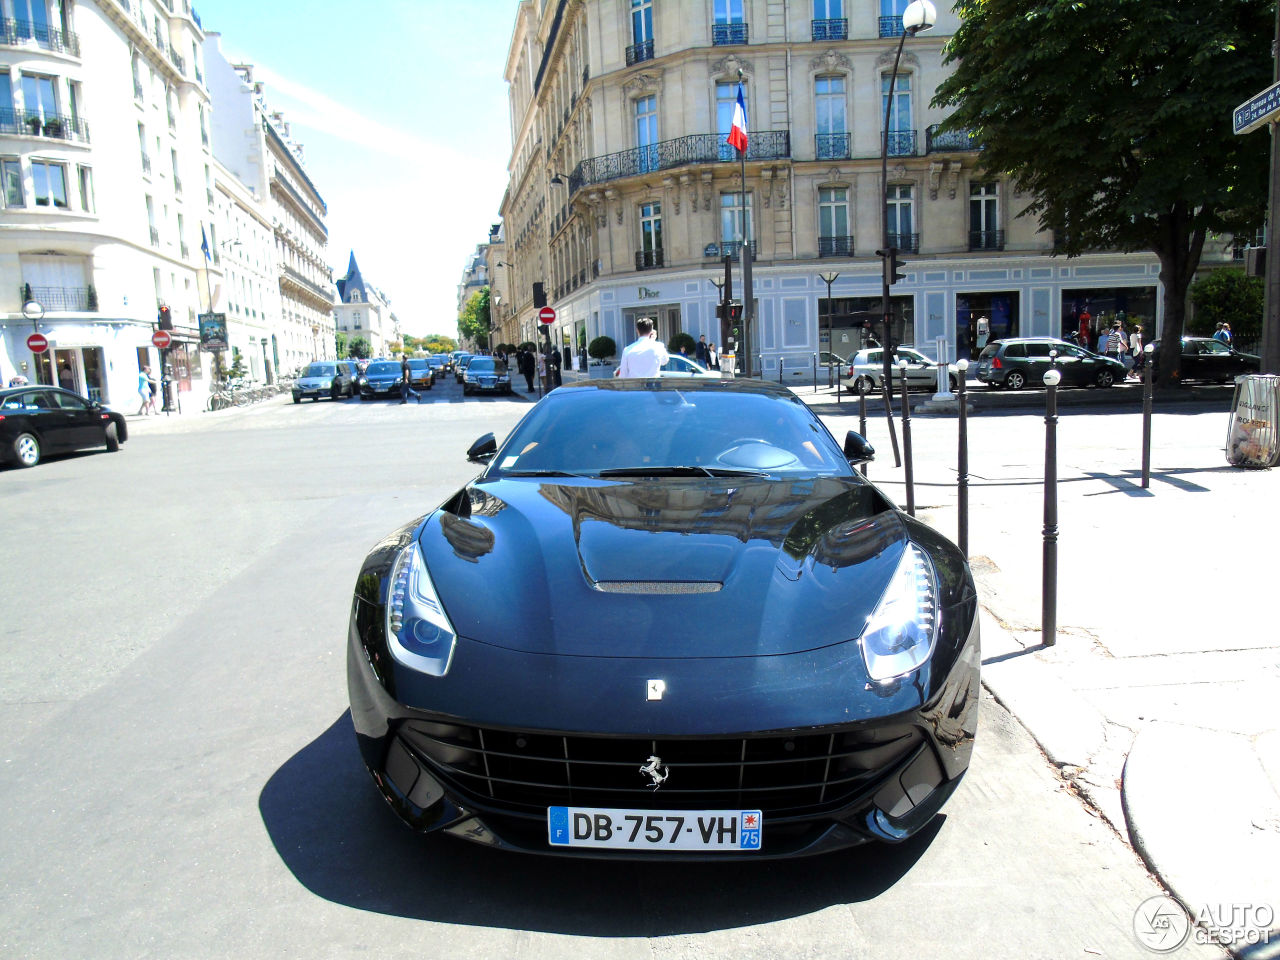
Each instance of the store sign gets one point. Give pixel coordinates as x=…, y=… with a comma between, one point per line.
x=213, y=331
x=647, y=294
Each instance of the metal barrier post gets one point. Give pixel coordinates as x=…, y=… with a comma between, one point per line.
x=862, y=422
x=781, y=361
x=1147, y=354
x=906, y=441
x=962, y=461
x=1049, y=579
x=815, y=373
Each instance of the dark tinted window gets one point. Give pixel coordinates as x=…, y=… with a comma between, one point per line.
x=67, y=402
x=989, y=351
x=318, y=370
x=1037, y=350
x=1016, y=350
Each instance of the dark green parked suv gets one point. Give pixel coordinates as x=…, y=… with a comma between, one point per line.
x=1014, y=363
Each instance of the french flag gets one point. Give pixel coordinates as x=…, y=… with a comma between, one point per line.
x=738, y=133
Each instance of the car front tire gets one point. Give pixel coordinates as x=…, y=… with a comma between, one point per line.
x=112, y=437
x=26, y=449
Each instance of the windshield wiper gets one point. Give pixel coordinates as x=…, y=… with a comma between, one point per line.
x=680, y=471
x=540, y=473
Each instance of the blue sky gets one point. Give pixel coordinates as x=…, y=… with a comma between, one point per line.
x=401, y=107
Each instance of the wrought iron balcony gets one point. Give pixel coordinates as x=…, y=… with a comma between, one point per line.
x=835, y=246
x=155, y=237
x=731, y=248
x=640, y=52
x=891, y=27
x=831, y=146
x=137, y=89
x=177, y=183
x=178, y=60
x=649, y=259
x=53, y=125
x=905, y=242
x=185, y=250
x=62, y=299
x=952, y=140
x=209, y=196
x=146, y=164
x=19, y=33
x=986, y=239
x=697, y=148
x=830, y=29
x=728, y=34
x=902, y=143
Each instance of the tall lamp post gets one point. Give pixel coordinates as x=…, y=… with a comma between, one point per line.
x=919, y=16
x=829, y=278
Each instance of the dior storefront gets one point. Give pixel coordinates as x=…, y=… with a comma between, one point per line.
x=964, y=302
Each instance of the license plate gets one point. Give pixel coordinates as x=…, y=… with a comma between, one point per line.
x=654, y=829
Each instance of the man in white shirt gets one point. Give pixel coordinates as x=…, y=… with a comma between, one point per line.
x=645, y=357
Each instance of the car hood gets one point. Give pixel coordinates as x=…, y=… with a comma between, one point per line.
x=664, y=569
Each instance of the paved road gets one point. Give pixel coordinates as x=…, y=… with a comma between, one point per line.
x=180, y=777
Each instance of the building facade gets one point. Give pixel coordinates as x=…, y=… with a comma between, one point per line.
x=623, y=197
x=364, y=311
x=103, y=154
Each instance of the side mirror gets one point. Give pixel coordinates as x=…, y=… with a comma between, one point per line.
x=856, y=448
x=483, y=450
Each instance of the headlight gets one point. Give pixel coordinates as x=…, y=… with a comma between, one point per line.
x=418, y=631
x=901, y=633
x=363, y=381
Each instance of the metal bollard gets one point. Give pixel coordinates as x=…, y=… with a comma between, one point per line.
x=862, y=421
x=962, y=461
x=886, y=393
x=1147, y=353
x=815, y=373
x=906, y=441
x=781, y=361
x=1049, y=579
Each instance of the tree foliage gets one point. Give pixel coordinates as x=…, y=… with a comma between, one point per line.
x=1115, y=116
x=682, y=339
x=602, y=348
x=1228, y=296
x=473, y=322
x=359, y=347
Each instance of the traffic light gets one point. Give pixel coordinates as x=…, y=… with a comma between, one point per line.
x=735, y=310
x=894, y=269
x=165, y=318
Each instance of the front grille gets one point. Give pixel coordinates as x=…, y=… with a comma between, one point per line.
x=527, y=771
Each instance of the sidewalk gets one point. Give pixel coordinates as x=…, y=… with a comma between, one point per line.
x=1159, y=701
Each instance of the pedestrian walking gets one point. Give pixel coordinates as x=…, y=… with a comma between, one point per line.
x=406, y=391
x=1115, y=341
x=553, y=373
x=66, y=377
x=700, y=353
x=1223, y=333
x=1136, y=351
x=151, y=392
x=144, y=390
x=644, y=357
x=713, y=357
x=542, y=371
x=524, y=361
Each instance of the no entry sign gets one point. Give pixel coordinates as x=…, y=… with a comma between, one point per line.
x=547, y=315
x=161, y=339
x=37, y=343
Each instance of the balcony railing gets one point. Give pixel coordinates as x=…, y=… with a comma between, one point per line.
x=146, y=164
x=731, y=248
x=209, y=196
x=640, y=52
x=137, y=89
x=63, y=299
x=177, y=183
x=52, y=125
x=830, y=29
x=728, y=34
x=986, y=239
x=831, y=146
x=18, y=33
x=173, y=123
x=155, y=237
x=902, y=143
x=648, y=259
x=185, y=250
x=905, y=242
x=891, y=27
x=952, y=140
x=697, y=148
x=835, y=246
x=178, y=60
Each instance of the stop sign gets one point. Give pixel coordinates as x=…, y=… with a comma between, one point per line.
x=37, y=343
x=547, y=315
x=161, y=339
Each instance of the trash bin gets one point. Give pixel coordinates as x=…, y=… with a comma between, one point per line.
x=1253, y=439
x=727, y=361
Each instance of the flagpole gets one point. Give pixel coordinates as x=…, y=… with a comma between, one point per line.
x=745, y=348
x=208, y=295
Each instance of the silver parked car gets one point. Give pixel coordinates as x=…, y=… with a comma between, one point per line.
x=867, y=368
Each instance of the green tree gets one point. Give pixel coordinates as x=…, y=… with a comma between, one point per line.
x=340, y=345
x=602, y=348
x=436, y=343
x=1115, y=116
x=473, y=322
x=358, y=347
x=682, y=339
x=1228, y=296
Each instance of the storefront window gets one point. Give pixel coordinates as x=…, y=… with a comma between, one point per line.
x=983, y=317
x=1088, y=311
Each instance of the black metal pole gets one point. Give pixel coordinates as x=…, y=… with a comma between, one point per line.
x=1146, y=420
x=862, y=422
x=815, y=373
x=1049, y=580
x=906, y=446
x=962, y=464
x=886, y=258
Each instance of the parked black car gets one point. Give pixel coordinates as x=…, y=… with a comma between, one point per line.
x=38, y=420
x=325, y=378
x=1020, y=361
x=717, y=639
x=1204, y=358
x=485, y=375
x=381, y=379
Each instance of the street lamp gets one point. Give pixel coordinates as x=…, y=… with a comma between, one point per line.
x=829, y=278
x=919, y=16
x=559, y=179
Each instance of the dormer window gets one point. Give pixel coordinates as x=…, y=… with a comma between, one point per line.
x=354, y=297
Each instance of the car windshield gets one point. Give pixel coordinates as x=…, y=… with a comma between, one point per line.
x=318, y=370
x=382, y=368
x=480, y=365
x=651, y=431
x=416, y=364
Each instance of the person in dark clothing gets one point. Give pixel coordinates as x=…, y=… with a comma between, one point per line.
x=700, y=353
x=405, y=389
x=526, y=368
x=553, y=367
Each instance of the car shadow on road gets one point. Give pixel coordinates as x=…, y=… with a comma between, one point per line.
x=338, y=838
